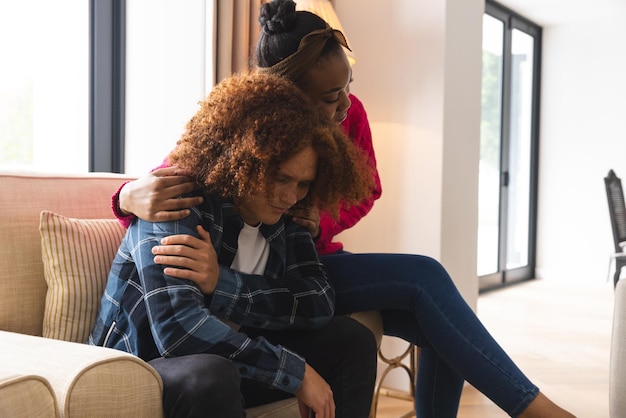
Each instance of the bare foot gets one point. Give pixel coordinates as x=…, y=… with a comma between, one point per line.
x=542, y=407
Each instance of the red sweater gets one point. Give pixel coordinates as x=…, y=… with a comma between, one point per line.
x=357, y=128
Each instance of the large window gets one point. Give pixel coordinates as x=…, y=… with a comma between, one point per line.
x=509, y=142
x=87, y=85
x=150, y=66
x=167, y=51
x=44, y=84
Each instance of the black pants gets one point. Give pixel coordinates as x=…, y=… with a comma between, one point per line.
x=206, y=385
x=199, y=385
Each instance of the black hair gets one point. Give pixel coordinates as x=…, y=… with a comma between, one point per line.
x=282, y=29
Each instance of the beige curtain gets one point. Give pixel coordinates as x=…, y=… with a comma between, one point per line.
x=237, y=30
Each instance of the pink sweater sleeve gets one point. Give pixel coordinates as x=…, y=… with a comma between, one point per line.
x=357, y=128
x=126, y=220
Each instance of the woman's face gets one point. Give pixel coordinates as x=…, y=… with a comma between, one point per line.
x=328, y=84
x=291, y=184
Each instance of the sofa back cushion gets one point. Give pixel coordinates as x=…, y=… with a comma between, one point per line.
x=24, y=196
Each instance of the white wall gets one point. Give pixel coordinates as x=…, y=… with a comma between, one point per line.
x=582, y=133
x=418, y=73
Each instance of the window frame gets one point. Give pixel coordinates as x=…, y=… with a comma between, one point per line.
x=107, y=81
x=511, y=21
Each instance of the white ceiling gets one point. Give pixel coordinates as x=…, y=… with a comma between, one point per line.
x=554, y=12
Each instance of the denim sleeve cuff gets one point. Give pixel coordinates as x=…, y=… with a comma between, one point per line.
x=225, y=296
x=290, y=375
x=285, y=372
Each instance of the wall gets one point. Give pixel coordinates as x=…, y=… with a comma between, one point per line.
x=582, y=136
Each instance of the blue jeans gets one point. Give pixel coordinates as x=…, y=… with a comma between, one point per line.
x=420, y=304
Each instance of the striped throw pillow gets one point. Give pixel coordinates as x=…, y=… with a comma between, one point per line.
x=77, y=255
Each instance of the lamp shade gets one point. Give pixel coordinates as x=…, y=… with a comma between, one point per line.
x=325, y=10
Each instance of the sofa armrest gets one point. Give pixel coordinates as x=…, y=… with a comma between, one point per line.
x=87, y=381
x=26, y=396
x=617, y=367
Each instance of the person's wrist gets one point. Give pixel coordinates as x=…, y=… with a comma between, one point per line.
x=122, y=198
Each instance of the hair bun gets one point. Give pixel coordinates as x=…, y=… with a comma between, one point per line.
x=277, y=16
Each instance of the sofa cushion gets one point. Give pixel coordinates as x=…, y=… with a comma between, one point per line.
x=77, y=255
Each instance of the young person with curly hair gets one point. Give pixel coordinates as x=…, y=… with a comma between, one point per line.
x=155, y=196
x=260, y=326
x=417, y=299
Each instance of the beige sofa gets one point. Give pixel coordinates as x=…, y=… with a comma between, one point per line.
x=617, y=367
x=54, y=266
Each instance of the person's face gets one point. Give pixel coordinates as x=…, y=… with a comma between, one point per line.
x=328, y=84
x=291, y=184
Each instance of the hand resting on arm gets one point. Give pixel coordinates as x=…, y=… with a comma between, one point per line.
x=190, y=258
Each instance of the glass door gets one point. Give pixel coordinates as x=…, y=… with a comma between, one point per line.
x=508, y=163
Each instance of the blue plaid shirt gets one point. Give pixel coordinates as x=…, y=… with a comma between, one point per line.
x=149, y=314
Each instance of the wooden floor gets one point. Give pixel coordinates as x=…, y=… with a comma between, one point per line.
x=558, y=333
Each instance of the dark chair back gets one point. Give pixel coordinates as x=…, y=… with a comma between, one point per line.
x=617, y=209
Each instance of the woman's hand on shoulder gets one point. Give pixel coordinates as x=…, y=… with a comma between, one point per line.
x=190, y=258
x=154, y=196
x=309, y=219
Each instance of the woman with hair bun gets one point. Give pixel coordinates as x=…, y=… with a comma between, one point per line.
x=417, y=299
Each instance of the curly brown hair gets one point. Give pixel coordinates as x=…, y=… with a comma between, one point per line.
x=250, y=124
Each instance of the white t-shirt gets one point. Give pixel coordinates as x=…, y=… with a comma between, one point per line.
x=252, y=251
x=252, y=254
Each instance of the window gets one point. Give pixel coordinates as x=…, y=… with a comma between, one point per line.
x=168, y=46
x=85, y=85
x=44, y=85
x=509, y=142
